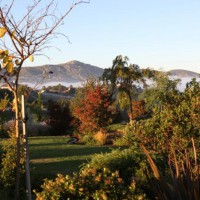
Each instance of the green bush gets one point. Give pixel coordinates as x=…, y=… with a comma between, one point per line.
x=89, y=184
x=8, y=164
x=129, y=162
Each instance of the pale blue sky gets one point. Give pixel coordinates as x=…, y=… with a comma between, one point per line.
x=161, y=34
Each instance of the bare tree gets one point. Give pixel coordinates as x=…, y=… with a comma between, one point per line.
x=22, y=39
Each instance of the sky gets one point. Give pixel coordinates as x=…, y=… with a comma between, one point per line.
x=159, y=34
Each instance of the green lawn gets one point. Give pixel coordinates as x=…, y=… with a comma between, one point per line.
x=50, y=156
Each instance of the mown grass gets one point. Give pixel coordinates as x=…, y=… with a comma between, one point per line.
x=54, y=155
x=50, y=156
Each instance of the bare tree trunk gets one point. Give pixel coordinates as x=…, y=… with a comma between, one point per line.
x=26, y=152
x=17, y=134
x=131, y=108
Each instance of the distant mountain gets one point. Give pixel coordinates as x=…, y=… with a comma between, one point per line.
x=74, y=72
x=71, y=72
x=180, y=73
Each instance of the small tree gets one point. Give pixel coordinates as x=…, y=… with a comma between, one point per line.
x=23, y=38
x=92, y=106
x=60, y=118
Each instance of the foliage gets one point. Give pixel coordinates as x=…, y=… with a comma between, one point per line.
x=174, y=124
x=36, y=109
x=60, y=117
x=8, y=164
x=24, y=90
x=126, y=80
x=92, y=106
x=60, y=89
x=184, y=177
x=129, y=162
x=139, y=110
x=122, y=100
x=163, y=91
x=101, y=137
x=89, y=184
x=3, y=105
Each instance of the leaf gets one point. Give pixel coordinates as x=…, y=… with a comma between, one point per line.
x=6, y=52
x=5, y=60
x=3, y=104
x=2, y=56
x=17, y=62
x=9, y=67
x=22, y=40
x=31, y=58
x=2, y=32
x=13, y=34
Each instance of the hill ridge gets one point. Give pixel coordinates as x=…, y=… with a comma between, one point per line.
x=75, y=71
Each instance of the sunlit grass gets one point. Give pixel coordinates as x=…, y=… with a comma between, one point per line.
x=53, y=155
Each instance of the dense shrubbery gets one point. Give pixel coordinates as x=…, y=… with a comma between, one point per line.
x=170, y=124
x=129, y=162
x=90, y=183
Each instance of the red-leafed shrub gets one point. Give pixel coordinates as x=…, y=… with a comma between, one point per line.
x=92, y=106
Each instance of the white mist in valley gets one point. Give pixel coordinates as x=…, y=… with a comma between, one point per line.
x=181, y=85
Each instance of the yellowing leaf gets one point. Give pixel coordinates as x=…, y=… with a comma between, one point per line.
x=6, y=52
x=2, y=56
x=17, y=62
x=3, y=104
x=5, y=60
x=4, y=64
x=31, y=58
x=2, y=31
x=9, y=67
x=22, y=40
x=13, y=34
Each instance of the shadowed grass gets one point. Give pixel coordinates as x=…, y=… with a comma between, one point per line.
x=50, y=156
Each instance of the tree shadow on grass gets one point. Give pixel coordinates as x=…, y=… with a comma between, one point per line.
x=56, y=151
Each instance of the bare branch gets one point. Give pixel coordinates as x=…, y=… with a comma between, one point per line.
x=61, y=19
x=9, y=8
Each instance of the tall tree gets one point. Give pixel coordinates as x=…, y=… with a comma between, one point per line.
x=125, y=78
x=25, y=37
